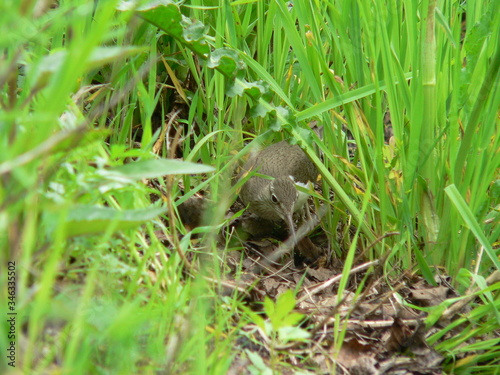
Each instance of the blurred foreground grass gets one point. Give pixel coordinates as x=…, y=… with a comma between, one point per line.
x=406, y=96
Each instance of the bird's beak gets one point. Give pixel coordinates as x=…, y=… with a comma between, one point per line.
x=289, y=221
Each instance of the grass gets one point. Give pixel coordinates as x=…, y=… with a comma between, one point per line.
x=89, y=87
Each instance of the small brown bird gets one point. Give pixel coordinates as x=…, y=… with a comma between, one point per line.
x=277, y=198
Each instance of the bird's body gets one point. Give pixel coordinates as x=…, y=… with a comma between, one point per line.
x=277, y=198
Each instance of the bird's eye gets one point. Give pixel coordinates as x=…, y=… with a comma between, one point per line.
x=274, y=198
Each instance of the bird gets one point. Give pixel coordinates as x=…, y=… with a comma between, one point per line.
x=276, y=197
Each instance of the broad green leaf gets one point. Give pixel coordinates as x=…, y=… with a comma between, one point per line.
x=258, y=362
x=156, y=168
x=290, y=333
x=105, y=55
x=269, y=306
x=259, y=111
x=85, y=220
x=292, y=319
x=100, y=56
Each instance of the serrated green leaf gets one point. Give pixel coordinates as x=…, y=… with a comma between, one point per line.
x=259, y=111
x=305, y=135
x=476, y=37
x=167, y=16
x=255, y=89
x=280, y=117
x=227, y=61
